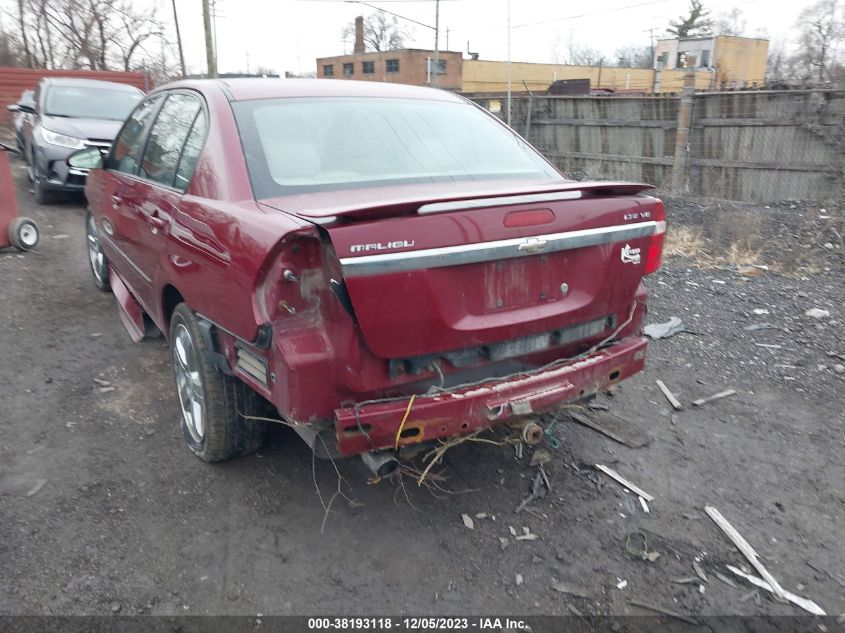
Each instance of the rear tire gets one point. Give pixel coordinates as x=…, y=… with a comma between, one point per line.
x=213, y=405
x=97, y=260
x=23, y=234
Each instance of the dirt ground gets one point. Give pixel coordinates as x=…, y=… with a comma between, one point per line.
x=104, y=510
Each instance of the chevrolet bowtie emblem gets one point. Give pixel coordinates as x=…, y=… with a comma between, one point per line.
x=532, y=245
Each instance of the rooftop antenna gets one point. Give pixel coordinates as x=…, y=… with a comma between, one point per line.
x=473, y=56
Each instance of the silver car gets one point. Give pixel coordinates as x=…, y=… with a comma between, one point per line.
x=69, y=115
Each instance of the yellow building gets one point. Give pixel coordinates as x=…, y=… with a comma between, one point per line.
x=734, y=62
x=480, y=76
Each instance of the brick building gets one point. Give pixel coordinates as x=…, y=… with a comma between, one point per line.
x=405, y=66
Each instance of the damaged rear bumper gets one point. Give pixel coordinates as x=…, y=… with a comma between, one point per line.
x=464, y=410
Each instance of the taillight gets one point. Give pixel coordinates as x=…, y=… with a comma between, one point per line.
x=655, y=244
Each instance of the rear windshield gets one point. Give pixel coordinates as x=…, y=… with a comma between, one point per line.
x=90, y=103
x=302, y=145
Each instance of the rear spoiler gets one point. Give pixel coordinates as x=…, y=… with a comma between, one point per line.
x=421, y=203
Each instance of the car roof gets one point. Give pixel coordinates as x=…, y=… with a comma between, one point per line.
x=89, y=83
x=248, y=89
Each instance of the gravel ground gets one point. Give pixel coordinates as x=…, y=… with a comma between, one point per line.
x=104, y=510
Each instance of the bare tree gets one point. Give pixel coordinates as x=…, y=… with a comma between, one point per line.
x=632, y=56
x=92, y=34
x=821, y=30
x=695, y=24
x=381, y=32
x=730, y=23
x=583, y=55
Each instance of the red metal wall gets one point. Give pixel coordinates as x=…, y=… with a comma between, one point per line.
x=13, y=81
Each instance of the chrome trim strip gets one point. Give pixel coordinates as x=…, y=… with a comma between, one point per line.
x=126, y=257
x=491, y=251
x=480, y=203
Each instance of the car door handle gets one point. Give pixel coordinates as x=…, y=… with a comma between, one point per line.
x=115, y=201
x=156, y=222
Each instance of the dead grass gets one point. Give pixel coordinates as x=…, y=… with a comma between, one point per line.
x=682, y=241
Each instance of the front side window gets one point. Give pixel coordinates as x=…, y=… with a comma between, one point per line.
x=126, y=152
x=348, y=69
x=368, y=67
x=167, y=137
x=301, y=145
x=84, y=102
x=328, y=70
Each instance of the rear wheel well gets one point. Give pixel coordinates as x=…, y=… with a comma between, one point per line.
x=170, y=298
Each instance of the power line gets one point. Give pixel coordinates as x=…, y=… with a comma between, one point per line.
x=586, y=15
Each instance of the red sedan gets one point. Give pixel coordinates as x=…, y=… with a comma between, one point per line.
x=385, y=264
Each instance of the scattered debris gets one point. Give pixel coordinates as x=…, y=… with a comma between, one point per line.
x=574, y=610
x=468, y=521
x=597, y=406
x=804, y=603
x=685, y=581
x=656, y=609
x=36, y=488
x=768, y=345
x=676, y=405
x=538, y=491
x=612, y=426
x=725, y=579
x=115, y=607
x=760, y=311
x=518, y=580
x=760, y=326
x=614, y=475
x=481, y=515
x=527, y=535
x=570, y=588
x=746, y=597
x=643, y=552
x=716, y=396
x=512, y=530
x=664, y=330
x=540, y=456
x=621, y=584
x=817, y=313
x=768, y=581
x=105, y=389
x=696, y=565
x=101, y=382
x=644, y=505
x=503, y=542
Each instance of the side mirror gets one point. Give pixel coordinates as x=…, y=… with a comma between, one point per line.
x=86, y=159
x=22, y=107
x=13, y=107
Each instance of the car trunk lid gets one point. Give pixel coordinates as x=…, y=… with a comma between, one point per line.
x=531, y=265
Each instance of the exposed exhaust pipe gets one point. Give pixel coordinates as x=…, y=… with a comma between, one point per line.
x=381, y=464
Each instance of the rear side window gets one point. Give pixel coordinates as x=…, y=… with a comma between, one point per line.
x=167, y=138
x=129, y=144
x=191, y=152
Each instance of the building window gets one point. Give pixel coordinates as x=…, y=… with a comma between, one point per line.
x=705, y=59
x=392, y=65
x=348, y=70
x=328, y=70
x=441, y=66
x=368, y=67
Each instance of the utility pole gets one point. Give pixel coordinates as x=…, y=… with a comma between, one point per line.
x=436, y=42
x=509, y=62
x=210, y=61
x=179, y=40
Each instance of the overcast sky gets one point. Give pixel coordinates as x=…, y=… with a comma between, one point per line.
x=290, y=34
